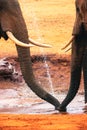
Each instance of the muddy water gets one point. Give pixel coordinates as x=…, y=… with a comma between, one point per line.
x=21, y=99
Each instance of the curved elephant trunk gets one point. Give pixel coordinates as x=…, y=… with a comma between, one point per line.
x=76, y=66
x=74, y=86
x=25, y=63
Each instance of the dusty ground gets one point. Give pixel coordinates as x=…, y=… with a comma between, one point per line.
x=43, y=122
x=50, y=22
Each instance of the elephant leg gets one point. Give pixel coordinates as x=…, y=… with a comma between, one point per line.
x=85, y=73
x=76, y=66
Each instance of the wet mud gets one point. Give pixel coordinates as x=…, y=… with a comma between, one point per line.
x=15, y=102
x=16, y=97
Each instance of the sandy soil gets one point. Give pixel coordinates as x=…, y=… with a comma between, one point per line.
x=48, y=22
x=43, y=122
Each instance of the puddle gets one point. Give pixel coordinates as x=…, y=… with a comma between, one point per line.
x=24, y=101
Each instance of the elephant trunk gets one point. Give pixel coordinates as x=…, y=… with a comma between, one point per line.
x=76, y=66
x=26, y=68
x=74, y=86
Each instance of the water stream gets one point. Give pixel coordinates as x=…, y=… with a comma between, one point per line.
x=41, y=40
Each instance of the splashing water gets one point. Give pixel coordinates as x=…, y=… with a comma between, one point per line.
x=48, y=72
x=40, y=39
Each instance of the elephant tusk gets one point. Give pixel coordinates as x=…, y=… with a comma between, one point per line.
x=38, y=44
x=68, y=43
x=12, y=37
x=68, y=49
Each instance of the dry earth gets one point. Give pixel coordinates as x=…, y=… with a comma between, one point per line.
x=48, y=22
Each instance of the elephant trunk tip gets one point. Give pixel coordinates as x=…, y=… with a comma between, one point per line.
x=52, y=100
x=61, y=109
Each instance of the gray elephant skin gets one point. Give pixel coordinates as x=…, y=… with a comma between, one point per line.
x=79, y=54
x=11, y=19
